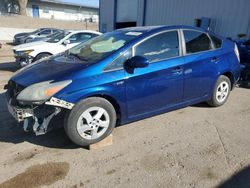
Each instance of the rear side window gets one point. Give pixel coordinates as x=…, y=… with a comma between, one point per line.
x=217, y=42
x=159, y=47
x=196, y=41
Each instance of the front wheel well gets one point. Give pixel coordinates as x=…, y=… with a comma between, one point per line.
x=231, y=77
x=114, y=103
x=42, y=53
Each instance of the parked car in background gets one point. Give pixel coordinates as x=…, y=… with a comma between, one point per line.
x=244, y=49
x=44, y=38
x=30, y=52
x=124, y=76
x=21, y=38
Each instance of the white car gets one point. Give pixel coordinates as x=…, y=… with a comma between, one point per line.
x=30, y=52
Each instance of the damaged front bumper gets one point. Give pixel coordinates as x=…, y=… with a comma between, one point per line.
x=37, y=117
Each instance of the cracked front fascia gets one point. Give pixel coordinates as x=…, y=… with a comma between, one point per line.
x=60, y=103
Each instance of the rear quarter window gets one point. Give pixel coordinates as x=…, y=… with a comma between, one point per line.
x=216, y=41
x=196, y=41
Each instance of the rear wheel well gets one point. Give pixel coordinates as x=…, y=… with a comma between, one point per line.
x=114, y=103
x=231, y=77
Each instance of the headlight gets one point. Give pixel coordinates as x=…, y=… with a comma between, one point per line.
x=25, y=52
x=41, y=91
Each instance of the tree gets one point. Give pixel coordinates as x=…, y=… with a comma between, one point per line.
x=23, y=5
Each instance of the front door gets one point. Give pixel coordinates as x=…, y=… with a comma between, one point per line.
x=160, y=85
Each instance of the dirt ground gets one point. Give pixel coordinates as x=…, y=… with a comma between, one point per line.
x=197, y=146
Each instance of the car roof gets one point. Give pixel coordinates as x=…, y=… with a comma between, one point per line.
x=83, y=31
x=43, y=28
x=147, y=29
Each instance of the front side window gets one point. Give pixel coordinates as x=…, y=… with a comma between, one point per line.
x=119, y=61
x=159, y=47
x=45, y=32
x=57, y=37
x=196, y=41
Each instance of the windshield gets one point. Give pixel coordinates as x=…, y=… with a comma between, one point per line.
x=100, y=47
x=57, y=37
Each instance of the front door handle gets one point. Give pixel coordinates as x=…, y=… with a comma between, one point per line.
x=214, y=59
x=177, y=70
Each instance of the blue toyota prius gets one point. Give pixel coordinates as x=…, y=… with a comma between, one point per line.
x=123, y=76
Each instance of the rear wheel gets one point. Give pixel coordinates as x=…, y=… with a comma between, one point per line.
x=90, y=121
x=221, y=91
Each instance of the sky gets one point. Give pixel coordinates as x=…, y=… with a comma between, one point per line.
x=91, y=3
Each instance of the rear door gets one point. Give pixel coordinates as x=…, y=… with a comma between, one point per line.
x=200, y=65
x=159, y=85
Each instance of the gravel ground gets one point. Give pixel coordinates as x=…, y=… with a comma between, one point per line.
x=197, y=146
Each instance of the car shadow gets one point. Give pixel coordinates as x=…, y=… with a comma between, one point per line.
x=240, y=179
x=201, y=105
x=9, y=66
x=12, y=132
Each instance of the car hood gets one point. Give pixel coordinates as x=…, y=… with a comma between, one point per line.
x=30, y=45
x=56, y=68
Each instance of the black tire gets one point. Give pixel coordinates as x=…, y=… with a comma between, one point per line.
x=42, y=55
x=71, y=119
x=214, y=102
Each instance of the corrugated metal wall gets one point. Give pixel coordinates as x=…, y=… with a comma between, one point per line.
x=107, y=15
x=231, y=16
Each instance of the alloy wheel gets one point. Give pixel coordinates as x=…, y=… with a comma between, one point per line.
x=93, y=123
x=222, y=92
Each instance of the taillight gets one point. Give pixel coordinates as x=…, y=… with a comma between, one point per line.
x=236, y=51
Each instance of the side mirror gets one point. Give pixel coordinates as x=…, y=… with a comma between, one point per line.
x=137, y=62
x=66, y=42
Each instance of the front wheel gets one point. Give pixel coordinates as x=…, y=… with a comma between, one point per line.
x=90, y=121
x=221, y=91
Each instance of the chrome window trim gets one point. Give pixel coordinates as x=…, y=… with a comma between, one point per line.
x=184, y=43
x=144, y=39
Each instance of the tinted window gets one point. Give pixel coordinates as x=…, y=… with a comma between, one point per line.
x=119, y=61
x=196, y=42
x=217, y=42
x=159, y=47
x=79, y=37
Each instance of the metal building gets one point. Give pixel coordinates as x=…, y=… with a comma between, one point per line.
x=225, y=17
